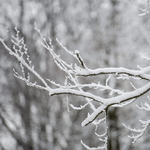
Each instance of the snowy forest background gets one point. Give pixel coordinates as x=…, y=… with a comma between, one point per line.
x=108, y=33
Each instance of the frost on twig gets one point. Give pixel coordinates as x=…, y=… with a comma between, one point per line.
x=73, y=85
x=92, y=148
x=138, y=132
x=102, y=137
x=146, y=9
x=145, y=57
x=145, y=124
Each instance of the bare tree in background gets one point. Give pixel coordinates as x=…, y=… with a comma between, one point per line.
x=73, y=86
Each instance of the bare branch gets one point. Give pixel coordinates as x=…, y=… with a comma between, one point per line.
x=80, y=59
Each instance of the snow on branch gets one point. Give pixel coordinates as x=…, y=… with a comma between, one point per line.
x=132, y=73
x=91, y=117
x=145, y=124
x=146, y=107
x=139, y=132
x=145, y=11
x=92, y=148
x=19, y=50
x=73, y=86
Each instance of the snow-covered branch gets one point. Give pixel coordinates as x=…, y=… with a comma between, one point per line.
x=72, y=85
x=131, y=73
x=145, y=10
x=138, y=132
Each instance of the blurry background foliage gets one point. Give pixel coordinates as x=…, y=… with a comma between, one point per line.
x=106, y=32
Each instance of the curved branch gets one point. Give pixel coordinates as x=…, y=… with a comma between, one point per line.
x=134, y=73
x=21, y=60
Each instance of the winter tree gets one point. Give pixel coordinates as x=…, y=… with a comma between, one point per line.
x=91, y=92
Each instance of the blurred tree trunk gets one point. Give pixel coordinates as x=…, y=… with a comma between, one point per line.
x=25, y=112
x=114, y=143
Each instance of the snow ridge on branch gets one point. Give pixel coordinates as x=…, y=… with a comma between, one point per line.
x=72, y=85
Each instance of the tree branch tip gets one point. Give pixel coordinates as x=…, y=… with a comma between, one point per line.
x=76, y=51
x=35, y=24
x=1, y=40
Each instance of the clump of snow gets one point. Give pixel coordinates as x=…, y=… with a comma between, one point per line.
x=76, y=51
